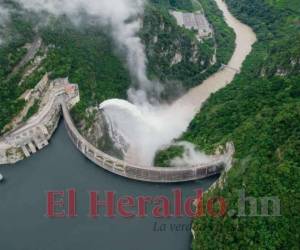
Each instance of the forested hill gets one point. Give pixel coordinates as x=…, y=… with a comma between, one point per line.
x=164, y=41
x=177, y=4
x=85, y=53
x=260, y=112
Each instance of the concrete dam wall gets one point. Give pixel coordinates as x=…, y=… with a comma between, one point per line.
x=141, y=173
x=33, y=135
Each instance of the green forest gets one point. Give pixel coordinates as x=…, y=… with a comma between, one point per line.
x=85, y=53
x=176, y=4
x=86, y=57
x=17, y=34
x=172, y=39
x=260, y=112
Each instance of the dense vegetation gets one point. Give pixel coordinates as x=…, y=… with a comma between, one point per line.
x=165, y=40
x=17, y=32
x=164, y=157
x=260, y=113
x=176, y=4
x=224, y=36
x=85, y=54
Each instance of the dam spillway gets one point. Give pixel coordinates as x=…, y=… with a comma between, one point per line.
x=61, y=101
x=138, y=172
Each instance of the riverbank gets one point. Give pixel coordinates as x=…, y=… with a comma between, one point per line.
x=191, y=103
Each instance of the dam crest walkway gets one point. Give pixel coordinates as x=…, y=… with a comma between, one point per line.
x=34, y=135
x=139, y=172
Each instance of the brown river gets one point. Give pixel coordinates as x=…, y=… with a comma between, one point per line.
x=192, y=101
x=151, y=128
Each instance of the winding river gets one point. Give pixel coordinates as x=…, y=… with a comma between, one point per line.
x=23, y=224
x=191, y=102
x=147, y=128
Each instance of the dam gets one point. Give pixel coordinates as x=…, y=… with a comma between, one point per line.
x=139, y=172
x=35, y=134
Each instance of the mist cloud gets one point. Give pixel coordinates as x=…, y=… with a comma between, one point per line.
x=124, y=18
x=4, y=14
x=191, y=156
x=4, y=17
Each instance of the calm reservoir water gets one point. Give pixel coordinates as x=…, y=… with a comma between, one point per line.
x=23, y=224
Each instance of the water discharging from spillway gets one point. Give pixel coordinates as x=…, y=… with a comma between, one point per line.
x=143, y=129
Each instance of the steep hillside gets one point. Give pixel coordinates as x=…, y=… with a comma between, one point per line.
x=177, y=4
x=85, y=53
x=17, y=32
x=174, y=54
x=260, y=113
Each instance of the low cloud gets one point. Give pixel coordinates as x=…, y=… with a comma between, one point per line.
x=191, y=156
x=4, y=17
x=124, y=18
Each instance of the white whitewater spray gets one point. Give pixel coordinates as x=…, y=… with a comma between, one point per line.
x=145, y=128
x=148, y=128
x=191, y=156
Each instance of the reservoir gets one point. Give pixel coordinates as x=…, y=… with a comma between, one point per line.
x=61, y=166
